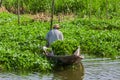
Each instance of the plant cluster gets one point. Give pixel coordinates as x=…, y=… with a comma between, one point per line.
x=84, y=8
x=65, y=47
x=20, y=45
x=95, y=24
x=100, y=41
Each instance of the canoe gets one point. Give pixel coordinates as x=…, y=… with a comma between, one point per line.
x=64, y=59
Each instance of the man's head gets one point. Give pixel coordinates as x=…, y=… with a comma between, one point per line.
x=56, y=26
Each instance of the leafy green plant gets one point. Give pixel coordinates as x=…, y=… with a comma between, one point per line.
x=65, y=47
x=84, y=8
x=20, y=45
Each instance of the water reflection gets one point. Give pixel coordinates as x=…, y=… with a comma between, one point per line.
x=68, y=73
x=74, y=73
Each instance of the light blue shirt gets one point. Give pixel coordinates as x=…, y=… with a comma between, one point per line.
x=54, y=35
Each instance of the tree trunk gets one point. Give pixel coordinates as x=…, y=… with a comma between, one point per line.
x=90, y=8
x=18, y=12
x=52, y=13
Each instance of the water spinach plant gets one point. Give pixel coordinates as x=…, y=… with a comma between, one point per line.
x=65, y=47
x=20, y=45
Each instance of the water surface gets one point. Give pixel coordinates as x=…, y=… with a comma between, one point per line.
x=102, y=69
x=89, y=69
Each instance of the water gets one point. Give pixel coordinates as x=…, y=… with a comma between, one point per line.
x=89, y=69
x=102, y=69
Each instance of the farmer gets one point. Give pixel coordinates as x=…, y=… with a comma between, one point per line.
x=54, y=35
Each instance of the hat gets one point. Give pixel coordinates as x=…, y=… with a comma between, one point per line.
x=56, y=26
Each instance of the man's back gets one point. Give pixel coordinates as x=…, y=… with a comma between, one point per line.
x=54, y=35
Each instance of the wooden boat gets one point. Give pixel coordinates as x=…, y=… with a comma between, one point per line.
x=65, y=59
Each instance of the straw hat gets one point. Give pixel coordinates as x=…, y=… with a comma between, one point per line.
x=56, y=26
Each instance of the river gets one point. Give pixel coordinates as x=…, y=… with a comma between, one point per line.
x=88, y=69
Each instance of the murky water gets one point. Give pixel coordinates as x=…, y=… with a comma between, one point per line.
x=89, y=69
x=101, y=69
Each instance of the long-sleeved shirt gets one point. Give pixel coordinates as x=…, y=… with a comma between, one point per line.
x=54, y=35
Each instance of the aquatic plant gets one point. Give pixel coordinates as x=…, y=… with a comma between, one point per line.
x=65, y=47
x=20, y=45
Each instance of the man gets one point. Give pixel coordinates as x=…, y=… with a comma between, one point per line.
x=54, y=35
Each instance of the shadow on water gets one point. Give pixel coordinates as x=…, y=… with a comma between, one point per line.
x=75, y=72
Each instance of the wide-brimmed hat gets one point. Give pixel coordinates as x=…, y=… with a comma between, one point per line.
x=56, y=26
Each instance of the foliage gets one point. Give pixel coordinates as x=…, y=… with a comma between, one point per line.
x=20, y=45
x=101, y=41
x=84, y=8
x=67, y=6
x=98, y=24
x=12, y=19
x=66, y=47
x=31, y=6
x=23, y=60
